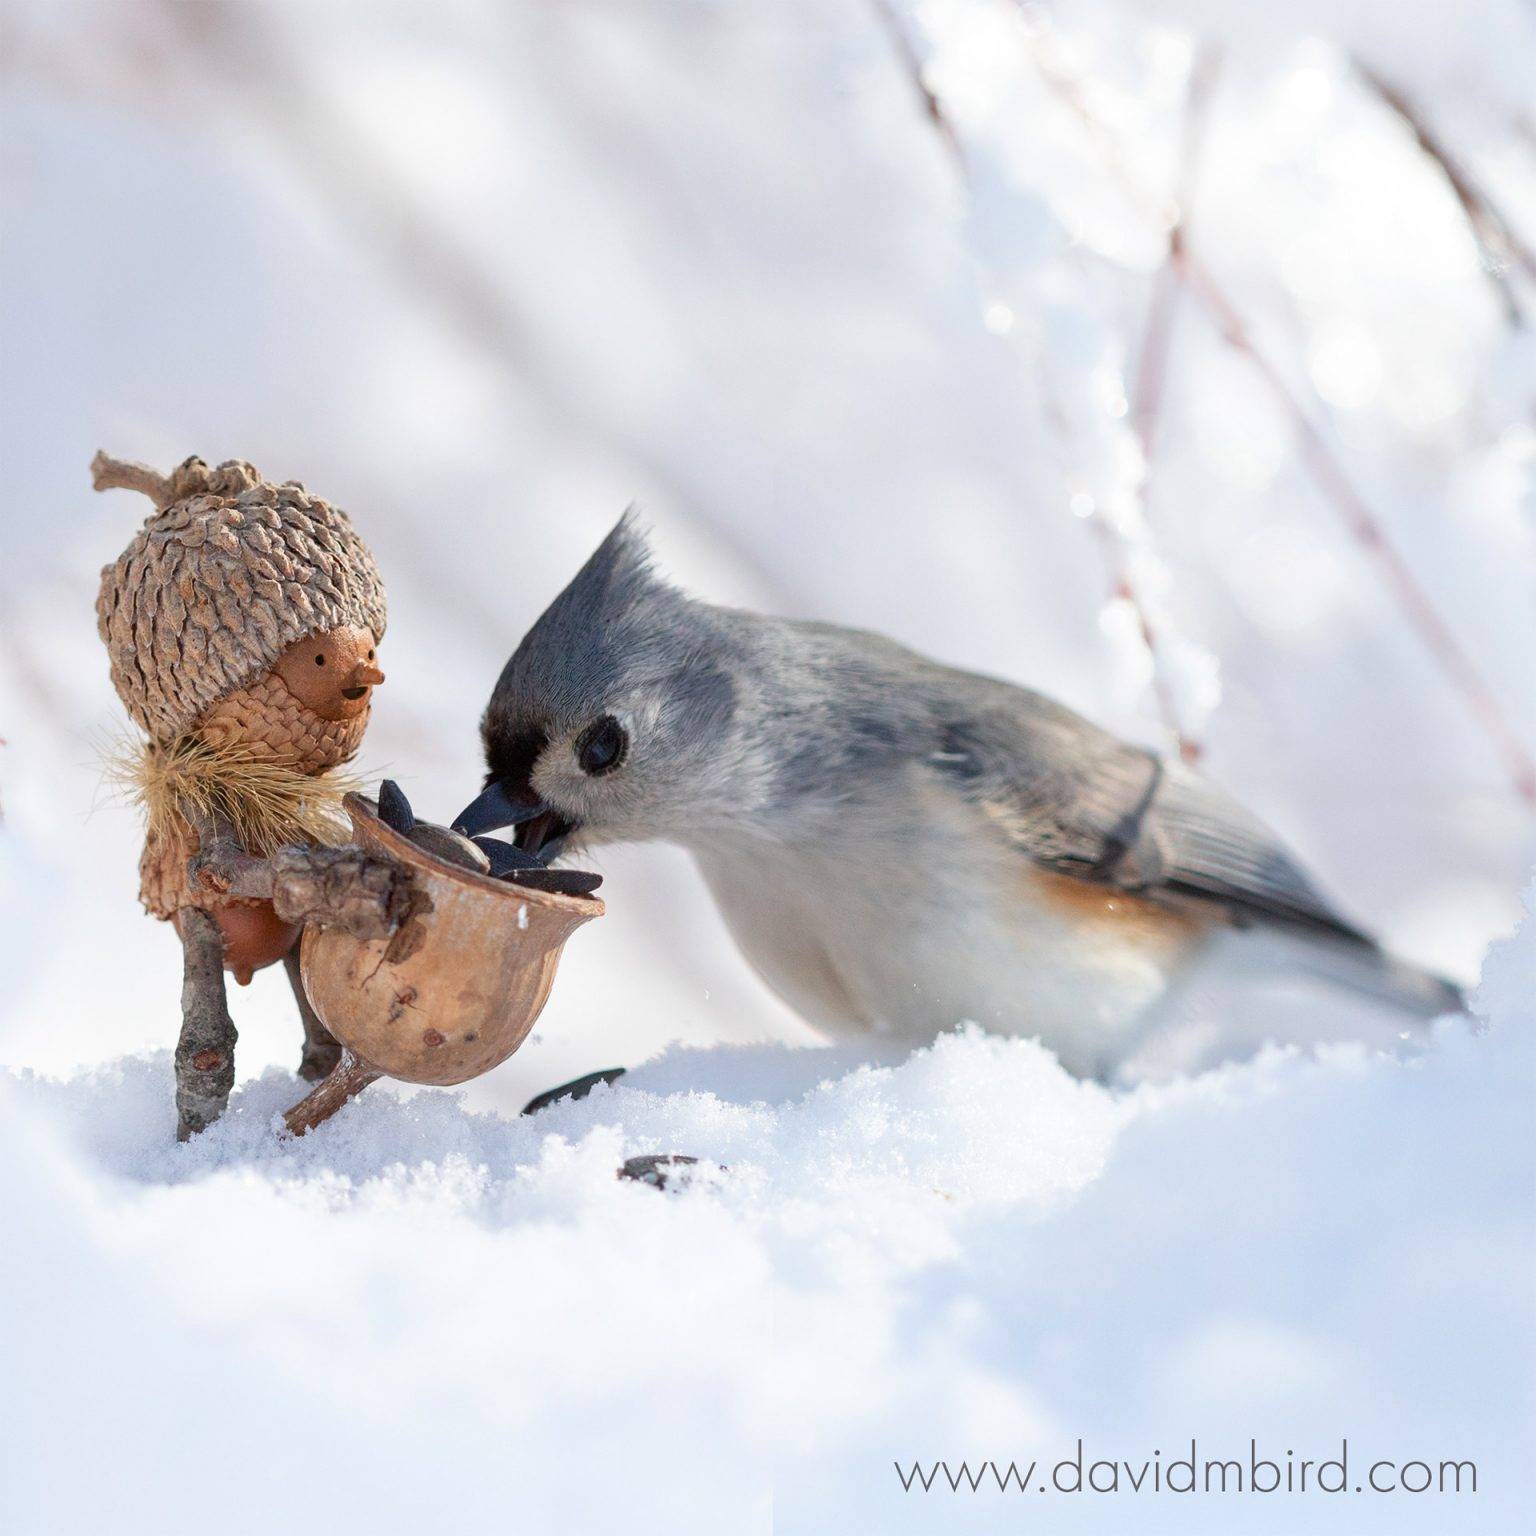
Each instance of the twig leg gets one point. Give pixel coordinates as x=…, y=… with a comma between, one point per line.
x=320, y=1103
x=322, y=1050
x=205, y=1053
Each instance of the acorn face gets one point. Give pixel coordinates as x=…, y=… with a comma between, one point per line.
x=332, y=673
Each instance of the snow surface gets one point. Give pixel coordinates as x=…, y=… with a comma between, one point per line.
x=484, y=274
x=423, y=1317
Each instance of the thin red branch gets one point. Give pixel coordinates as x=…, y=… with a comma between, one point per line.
x=912, y=66
x=1152, y=362
x=1111, y=542
x=1497, y=242
x=1123, y=588
x=1450, y=655
x=1413, y=600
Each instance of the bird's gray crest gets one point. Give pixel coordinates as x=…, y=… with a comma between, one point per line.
x=611, y=613
x=608, y=588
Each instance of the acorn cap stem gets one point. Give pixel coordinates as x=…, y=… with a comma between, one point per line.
x=109, y=474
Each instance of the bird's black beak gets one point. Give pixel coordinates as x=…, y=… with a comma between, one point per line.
x=498, y=805
x=541, y=829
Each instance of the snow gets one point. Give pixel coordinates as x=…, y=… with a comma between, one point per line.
x=419, y=1312
x=484, y=274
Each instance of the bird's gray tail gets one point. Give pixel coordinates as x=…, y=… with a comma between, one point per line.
x=1365, y=967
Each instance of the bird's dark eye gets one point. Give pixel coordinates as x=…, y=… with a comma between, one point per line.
x=319, y=661
x=601, y=747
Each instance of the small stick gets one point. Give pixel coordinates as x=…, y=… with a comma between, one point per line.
x=1112, y=542
x=1152, y=364
x=220, y=864
x=1123, y=587
x=369, y=895
x=347, y=1079
x=933, y=108
x=1152, y=373
x=1497, y=243
x=1417, y=607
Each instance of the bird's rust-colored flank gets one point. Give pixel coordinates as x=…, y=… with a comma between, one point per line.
x=1126, y=917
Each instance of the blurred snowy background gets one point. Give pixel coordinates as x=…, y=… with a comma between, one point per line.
x=1022, y=332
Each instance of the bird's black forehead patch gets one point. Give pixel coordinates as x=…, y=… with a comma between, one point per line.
x=617, y=637
x=511, y=750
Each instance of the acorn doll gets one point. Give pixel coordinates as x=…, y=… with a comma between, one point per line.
x=243, y=623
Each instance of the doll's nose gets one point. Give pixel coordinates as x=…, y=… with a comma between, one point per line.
x=365, y=674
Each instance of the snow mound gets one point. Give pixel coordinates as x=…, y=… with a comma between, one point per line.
x=424, y=1314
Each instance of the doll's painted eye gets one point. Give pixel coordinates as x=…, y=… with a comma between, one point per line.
x=319, y=661
x=601, y=747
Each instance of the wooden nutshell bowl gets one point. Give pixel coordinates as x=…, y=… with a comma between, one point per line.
x=452, y=993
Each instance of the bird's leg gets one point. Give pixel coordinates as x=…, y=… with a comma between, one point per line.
x=322, y=1050
x=205, y=1053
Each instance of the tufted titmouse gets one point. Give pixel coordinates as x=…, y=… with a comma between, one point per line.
x=896, y=845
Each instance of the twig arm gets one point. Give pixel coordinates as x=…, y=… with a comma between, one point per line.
x=222, y=866
x=368, y=896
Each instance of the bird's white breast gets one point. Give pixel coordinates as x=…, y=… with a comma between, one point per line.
x=914, y=927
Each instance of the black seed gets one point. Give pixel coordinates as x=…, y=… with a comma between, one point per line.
x=394, y=808
x=655, y=1167
x=450, y=846
x=564, y=882
x=506, y=857
x=578, y=1088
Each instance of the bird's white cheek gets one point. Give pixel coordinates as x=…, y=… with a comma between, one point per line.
x=563, y=787
x=581, y=797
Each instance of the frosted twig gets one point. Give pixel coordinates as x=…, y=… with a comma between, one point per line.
x=1413, y=601
x=1498, y=244
x=1152, y=369
x=933, y=108
x=1152, y=362
x=1455, y=664
x=1123, y=589
x=1112, y=543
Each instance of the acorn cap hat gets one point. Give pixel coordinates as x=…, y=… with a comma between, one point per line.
x=226, y=573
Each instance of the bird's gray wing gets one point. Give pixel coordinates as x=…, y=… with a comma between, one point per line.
x=1079, y=802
